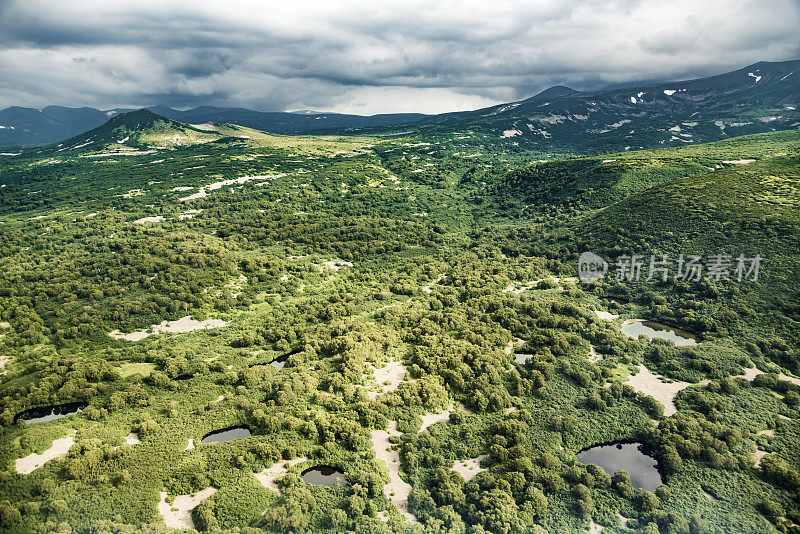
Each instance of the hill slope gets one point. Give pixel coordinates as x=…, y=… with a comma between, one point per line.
x=137, y=129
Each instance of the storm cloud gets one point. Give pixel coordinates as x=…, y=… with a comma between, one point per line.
x=369, y=56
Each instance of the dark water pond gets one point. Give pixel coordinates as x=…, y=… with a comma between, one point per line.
x=48, y=413
x=652, y=329
x=324, y=475
x=631, y=457
x=226, y=434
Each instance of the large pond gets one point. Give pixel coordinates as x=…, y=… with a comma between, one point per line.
x=226, y=434
x=324, y=475
x=682, y=338
x=48, y=413
x=631, y=457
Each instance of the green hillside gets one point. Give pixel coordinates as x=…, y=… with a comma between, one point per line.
x=136, y=129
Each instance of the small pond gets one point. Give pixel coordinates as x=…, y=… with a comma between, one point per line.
x=631, y=457
x=681, y=338
x=48, y=413
x=324, y=475
x=226, y=434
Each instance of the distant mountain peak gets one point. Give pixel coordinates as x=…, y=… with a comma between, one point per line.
x=137, y=128
x=554, y=92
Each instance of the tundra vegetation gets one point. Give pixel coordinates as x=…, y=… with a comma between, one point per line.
x=339, y=257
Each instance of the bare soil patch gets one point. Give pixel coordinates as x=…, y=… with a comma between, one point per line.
x=179, y=514
x=184, y=324
x=397, y=490
x=58, y=449
x=268, y=476
x=470, y=467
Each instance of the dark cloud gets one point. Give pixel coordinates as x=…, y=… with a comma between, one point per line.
x=369, y=57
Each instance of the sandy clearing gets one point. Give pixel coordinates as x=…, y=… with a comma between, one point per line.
x=513, y=343
x=58, y=449
x=753, y=372
x=194, y=196
x=594, y=528
x=429, y=287
x=132, y=439
x=190, y=446
x=518, y=288
x=5, y=324
x=219, y=399
x=606, y=316
x=143, y=220
x=268, y=476
x=433, y=418
x=184, y=324
x=593, y=356
x=397, y=490
x=470, y=467
x=336, y=264
x=182, y=188
x=648, y=383
x=132, y=193
x=179, y=514
x=3, y=361
x=388, y=378
x=768, y=432
x=791, y=379
x=738, y=161
x=189, y=214
x=123, y=153
x=759, y=455
x=203, y=191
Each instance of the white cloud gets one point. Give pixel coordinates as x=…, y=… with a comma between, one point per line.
x=373, y=100
x=370, y=56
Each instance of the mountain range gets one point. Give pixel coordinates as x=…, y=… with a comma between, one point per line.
x=759, y=98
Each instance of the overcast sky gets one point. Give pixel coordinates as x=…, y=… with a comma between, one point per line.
x=370, y=56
